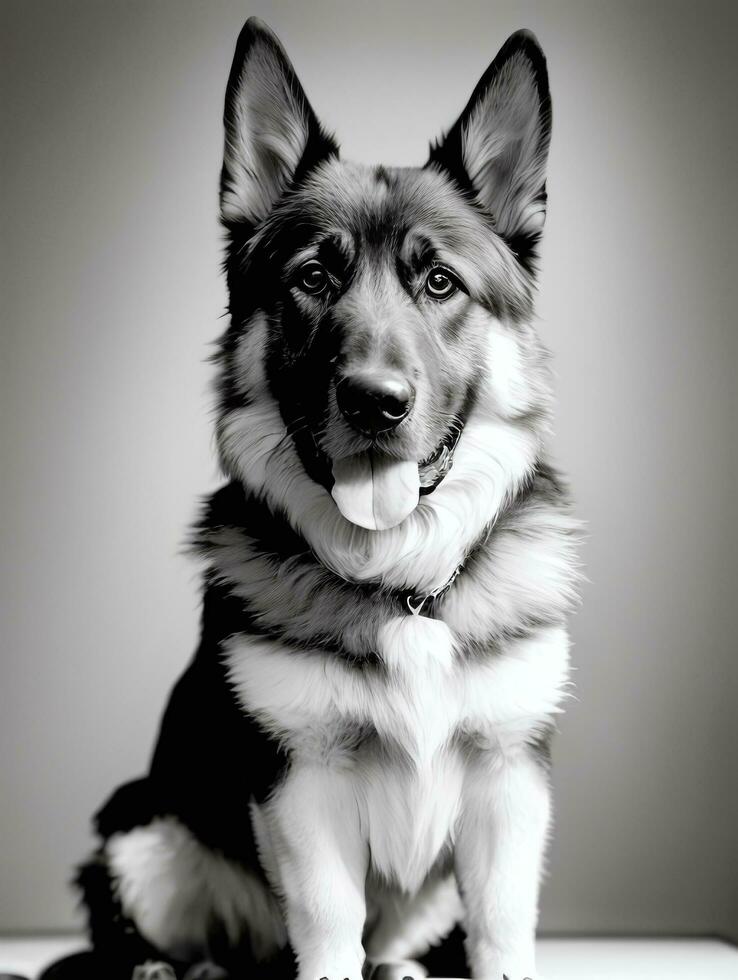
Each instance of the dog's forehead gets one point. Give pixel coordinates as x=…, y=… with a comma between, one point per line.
x=387, y=203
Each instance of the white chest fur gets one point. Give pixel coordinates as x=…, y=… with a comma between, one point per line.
x=408, y=777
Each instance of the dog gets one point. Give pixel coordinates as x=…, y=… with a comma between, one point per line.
x=351, y=777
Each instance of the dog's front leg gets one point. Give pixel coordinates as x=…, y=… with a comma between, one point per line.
x=321, y=864
x=498, y=857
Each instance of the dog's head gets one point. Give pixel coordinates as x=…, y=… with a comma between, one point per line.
x=376, y=310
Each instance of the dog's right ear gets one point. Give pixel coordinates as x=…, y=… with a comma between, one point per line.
x=272, y=134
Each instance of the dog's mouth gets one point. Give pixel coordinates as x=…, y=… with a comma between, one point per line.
x=377, y=492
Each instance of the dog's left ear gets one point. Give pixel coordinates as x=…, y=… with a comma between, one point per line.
x=271, y=132
x=497, y=148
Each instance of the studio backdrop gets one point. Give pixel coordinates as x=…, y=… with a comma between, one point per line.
x=112, y=294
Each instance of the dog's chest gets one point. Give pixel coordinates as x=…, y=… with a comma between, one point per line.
x=400, y=734
x=408, y=777
x=408, y=707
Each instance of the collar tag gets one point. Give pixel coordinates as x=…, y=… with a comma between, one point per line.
x=415, y=603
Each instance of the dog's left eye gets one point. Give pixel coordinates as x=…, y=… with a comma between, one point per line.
x=312, y=277
x=440, y=284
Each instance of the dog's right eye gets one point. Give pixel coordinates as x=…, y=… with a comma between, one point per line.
x=440, y=283
x=312, y=277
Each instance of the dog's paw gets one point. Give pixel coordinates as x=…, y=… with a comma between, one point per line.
x=336, y=974
x=331, y=971
x=401, y=970
x=206, y=971
x=153, y=971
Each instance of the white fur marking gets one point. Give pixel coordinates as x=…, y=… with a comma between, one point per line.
x=409, y=792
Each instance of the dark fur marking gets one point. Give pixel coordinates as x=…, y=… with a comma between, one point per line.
x=211, y=802
x=381, y=176
x=454, y=326
x=204, y=740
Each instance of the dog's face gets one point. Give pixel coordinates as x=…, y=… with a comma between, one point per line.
x=374, y=291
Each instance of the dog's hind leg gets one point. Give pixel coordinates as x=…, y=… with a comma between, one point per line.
x=119, y=950
x=115, y=937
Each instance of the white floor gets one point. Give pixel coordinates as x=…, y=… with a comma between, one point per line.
x=558, y=959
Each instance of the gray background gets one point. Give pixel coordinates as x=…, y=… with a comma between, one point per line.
x=111, y=145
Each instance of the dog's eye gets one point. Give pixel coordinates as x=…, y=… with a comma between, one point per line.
x=440, y=284
x=312, y=277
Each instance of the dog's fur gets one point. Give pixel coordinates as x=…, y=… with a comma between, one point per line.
x=337, y=782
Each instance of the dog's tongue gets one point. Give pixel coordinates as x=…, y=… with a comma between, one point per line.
x=375, y=492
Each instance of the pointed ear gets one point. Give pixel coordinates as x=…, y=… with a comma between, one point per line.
x=498, y=146
x=271, y=132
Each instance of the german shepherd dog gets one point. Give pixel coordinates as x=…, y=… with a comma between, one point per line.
x=351, y=776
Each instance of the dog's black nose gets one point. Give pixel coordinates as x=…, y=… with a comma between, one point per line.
x=374, y=403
